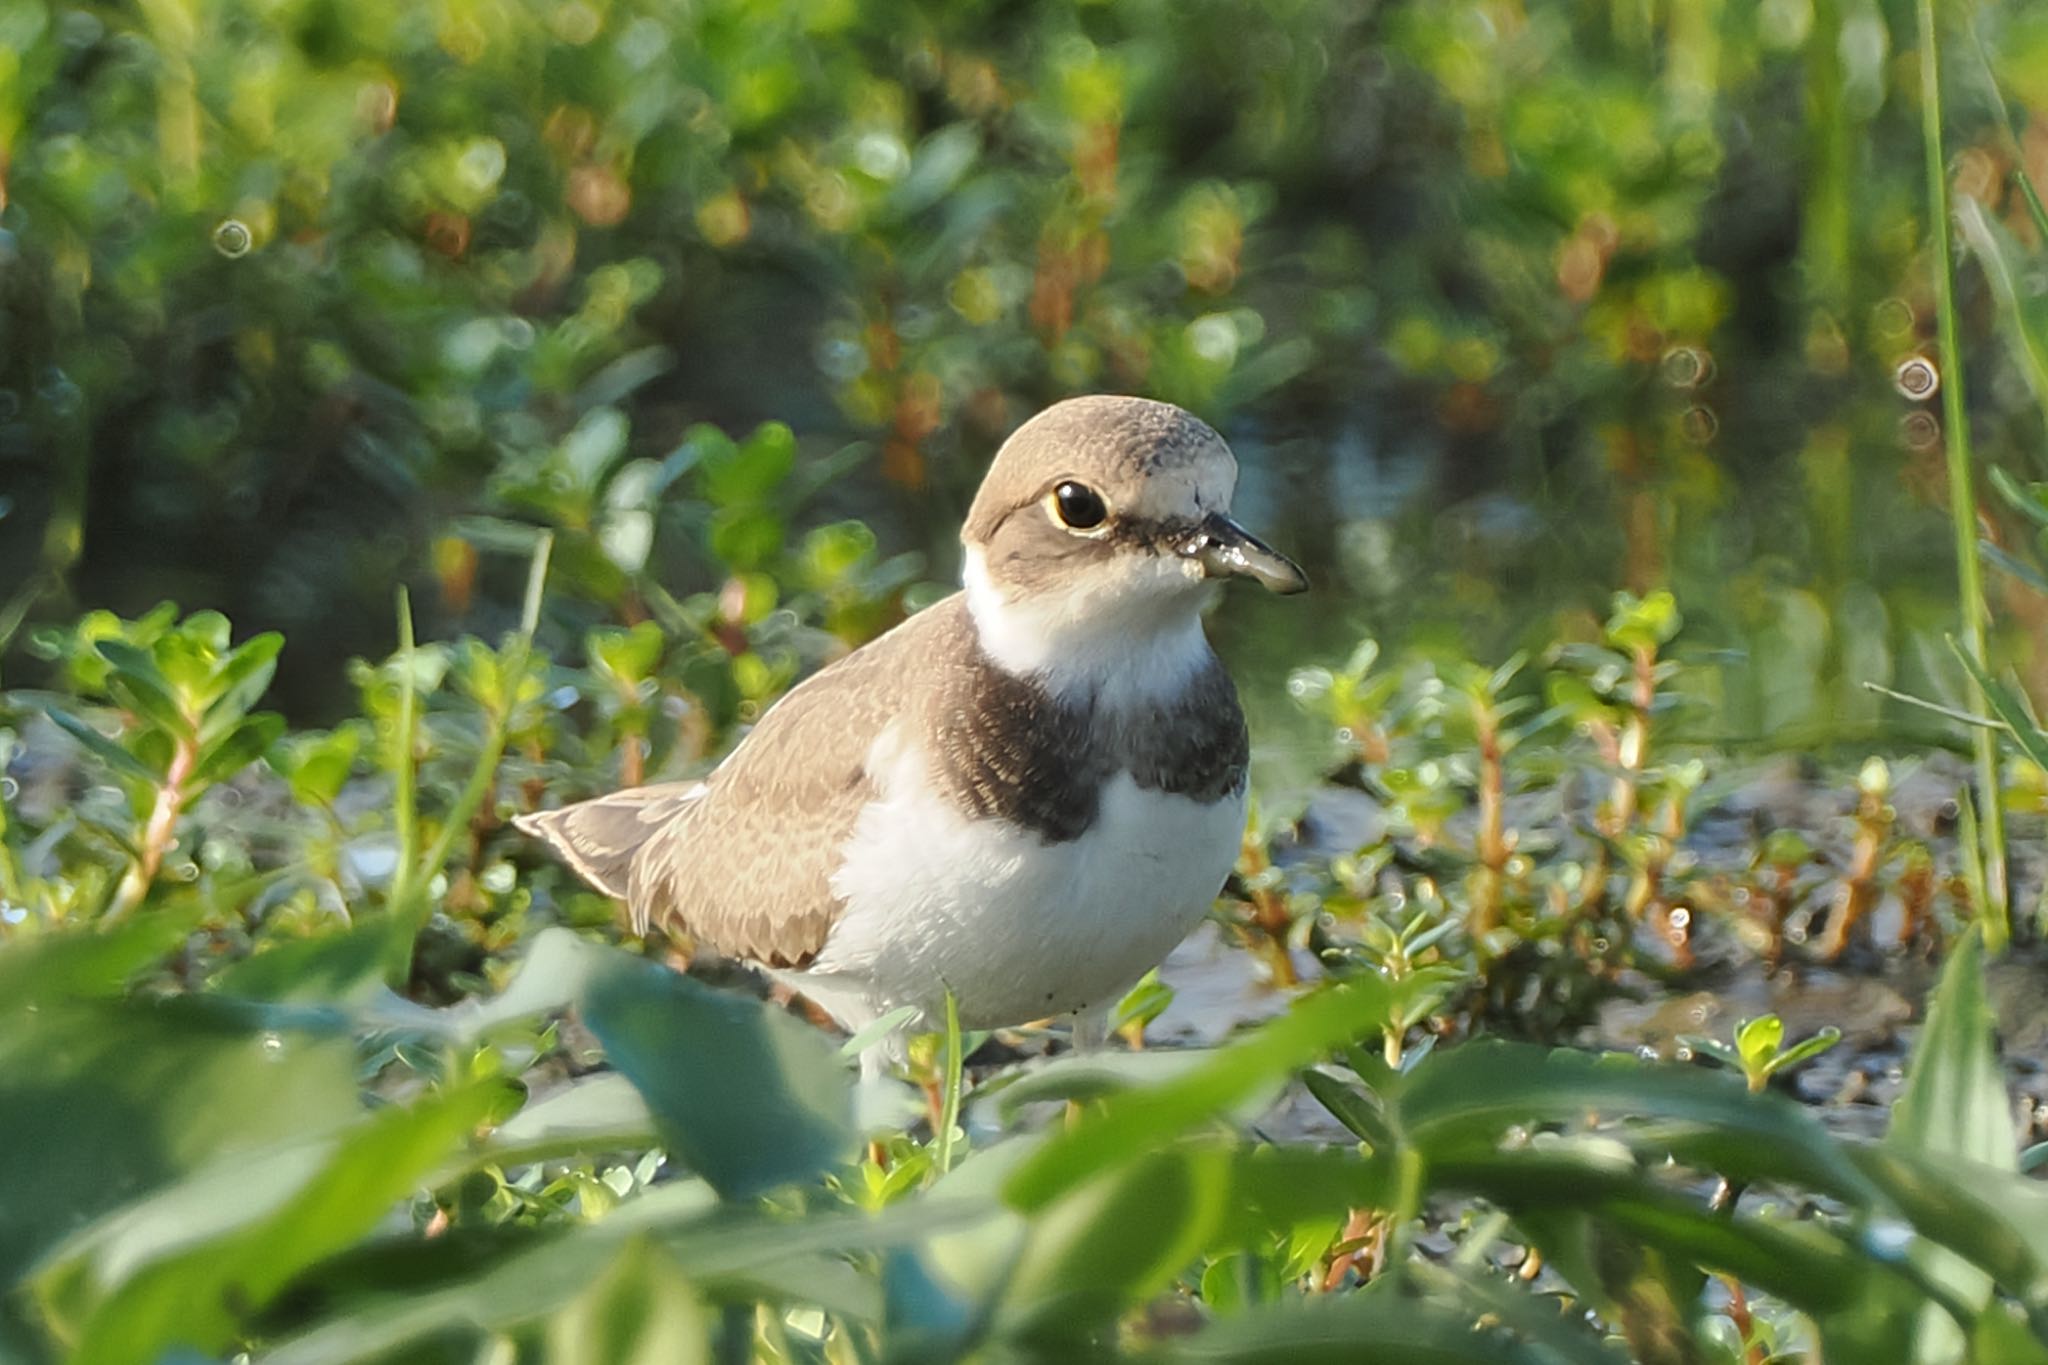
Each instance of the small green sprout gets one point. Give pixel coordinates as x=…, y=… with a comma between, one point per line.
x=1759, y=1052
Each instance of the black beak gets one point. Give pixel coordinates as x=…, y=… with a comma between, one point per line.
x=1226, y=550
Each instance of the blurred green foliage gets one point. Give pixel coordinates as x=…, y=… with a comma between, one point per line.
x=1503, y=305
x=704, y=319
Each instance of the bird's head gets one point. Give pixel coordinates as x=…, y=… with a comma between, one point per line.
x=1101, y=520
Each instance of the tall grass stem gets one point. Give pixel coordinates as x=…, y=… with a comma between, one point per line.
x=404, y=810
x=949, y=1106
x=1962, y=493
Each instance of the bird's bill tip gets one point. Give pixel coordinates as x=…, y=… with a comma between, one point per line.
x=1226, y=550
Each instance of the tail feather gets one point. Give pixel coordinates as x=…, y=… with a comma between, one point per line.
x=602, y=838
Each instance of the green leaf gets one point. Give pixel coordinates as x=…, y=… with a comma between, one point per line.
x=92, y=964
x=640, y=1311
x=330, y=968
x=2007, y=706
x=240, y=682
x=1123, y=1237
x=1954, y=1106
x=593, y=1114
x=1806, y=1049
x=234, y=751
x=1136, y=1123
x=878, y=1029
x=2020, y=307
x=1091, y=1076
x=138, y=684
x=1994, y=1219
x=107, y=750
x=1758, y=1040
x=203, y=1296
x=1354, y=1109
x=1377, y=1324
x=318, y=765
x=1954, y=1102
x=749, y=1097
x=1467, y=1097
x=390, y=1296
x=104, y=1102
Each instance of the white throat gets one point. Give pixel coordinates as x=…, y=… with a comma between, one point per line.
x=1134, y=645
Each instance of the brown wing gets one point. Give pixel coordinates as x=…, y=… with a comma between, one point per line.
x=746, y=864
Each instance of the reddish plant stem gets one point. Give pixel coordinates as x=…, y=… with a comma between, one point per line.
x=157, y=833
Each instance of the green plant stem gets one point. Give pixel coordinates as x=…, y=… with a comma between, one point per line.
x=949, y=1105
x=405, y=815
x=157, y=833
x=412, y=907
x=1962, y=494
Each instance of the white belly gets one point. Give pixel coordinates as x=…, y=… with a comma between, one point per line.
x=1017, y=928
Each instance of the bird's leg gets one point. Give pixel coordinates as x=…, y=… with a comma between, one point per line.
x=1091, y=1028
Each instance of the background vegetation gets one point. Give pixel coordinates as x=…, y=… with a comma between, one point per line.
x=1599, y=361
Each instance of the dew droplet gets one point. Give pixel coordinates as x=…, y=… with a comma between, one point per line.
x=9, y=789
x=1892, y=318
x=1687, y=367
x=1680, y=918
x=1916, y=378
x=1699, y=424
x=232, y=238
x=273, y=1045
x=1919, y=430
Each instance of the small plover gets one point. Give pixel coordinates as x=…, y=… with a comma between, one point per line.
x=1026, y=794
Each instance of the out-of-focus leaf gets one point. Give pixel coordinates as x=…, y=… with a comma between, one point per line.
x=2008, y=706
x=329, y=969
x=1137, y=1123
x=1758, y=1041
x=108, y=750
x=101, y=1103
x=137, y=682
x=593, y=1114
x=1091, y=1076
x=1124, y=1236
x=91, y=964
x=723, y=1249
x=242, y=680
x=1954, y=1106
x=1378, y=1324
x=1467, y=1097
x=2021, y=309
x=237, y=749
x=317, y=765
x=1991, y=1217
x=640, y=1311
x=749, y=1097
x=202, y=1296
x=1954, y=1102
x=1351, y=1108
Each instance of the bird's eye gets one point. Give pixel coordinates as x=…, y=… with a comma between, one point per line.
x=1078, y=506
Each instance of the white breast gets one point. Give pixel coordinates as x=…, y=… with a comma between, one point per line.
x=1017, y=928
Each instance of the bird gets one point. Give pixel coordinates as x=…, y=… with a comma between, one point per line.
x=1024, y=795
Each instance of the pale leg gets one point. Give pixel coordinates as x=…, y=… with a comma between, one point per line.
x=1091, y=1027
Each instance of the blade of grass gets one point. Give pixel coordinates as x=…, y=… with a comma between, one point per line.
x=949, y=1108
x=1962, y=494
x=2010, y=144
x=1934, y=707
x=403, y=779
x=413, y=911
